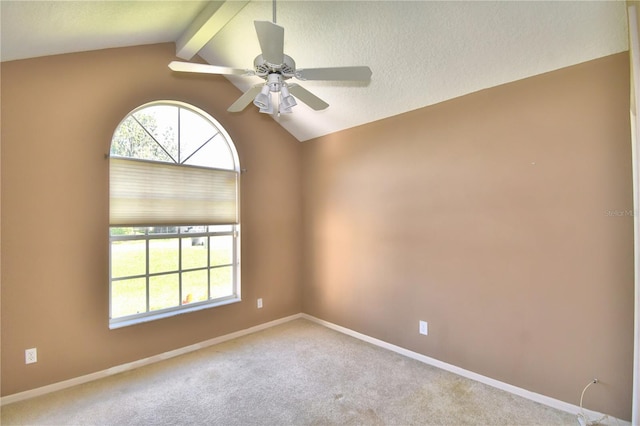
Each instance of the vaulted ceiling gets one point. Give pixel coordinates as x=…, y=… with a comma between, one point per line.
x=420, y=52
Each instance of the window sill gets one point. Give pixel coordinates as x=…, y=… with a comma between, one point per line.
x=117, y=323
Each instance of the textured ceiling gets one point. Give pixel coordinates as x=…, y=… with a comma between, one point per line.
x=421, y=53
x=38, y=28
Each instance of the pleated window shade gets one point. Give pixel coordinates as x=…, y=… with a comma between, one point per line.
x=144, y=193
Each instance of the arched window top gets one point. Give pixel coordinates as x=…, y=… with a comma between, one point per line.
x=172, y=164
x=174, y=132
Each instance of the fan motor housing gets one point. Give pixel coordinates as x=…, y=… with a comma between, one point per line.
x=263, y=68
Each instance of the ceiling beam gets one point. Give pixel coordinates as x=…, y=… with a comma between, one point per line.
x=206, y=25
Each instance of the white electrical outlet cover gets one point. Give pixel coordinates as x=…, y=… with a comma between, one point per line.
x=30, y=356
x=424, y=328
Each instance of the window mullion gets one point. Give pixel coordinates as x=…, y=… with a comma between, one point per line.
x=200, y=147
x=154, y=139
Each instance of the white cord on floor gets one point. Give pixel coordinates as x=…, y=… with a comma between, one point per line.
x=583, y=419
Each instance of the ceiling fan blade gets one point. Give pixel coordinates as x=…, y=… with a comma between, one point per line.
x=307, y=97
x=208, y=69
x=337, y=73
x=244, y=100
x=271, y=38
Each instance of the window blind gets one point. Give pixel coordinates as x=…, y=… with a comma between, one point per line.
x=153, y=193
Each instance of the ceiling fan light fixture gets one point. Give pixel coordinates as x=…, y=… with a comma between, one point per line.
x=286, y=100
x=284, y=110
x=267, y=110
x=263, y=99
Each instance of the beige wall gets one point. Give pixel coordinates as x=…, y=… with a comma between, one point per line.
x=492, y=217
x=58, y=116
x=486, y=215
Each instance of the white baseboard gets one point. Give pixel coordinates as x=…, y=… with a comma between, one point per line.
x=542, y=399
x=140, y=363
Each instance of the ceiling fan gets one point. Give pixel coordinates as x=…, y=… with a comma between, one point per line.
x=273, y=66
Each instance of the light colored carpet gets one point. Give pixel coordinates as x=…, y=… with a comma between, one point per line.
x=298, y=373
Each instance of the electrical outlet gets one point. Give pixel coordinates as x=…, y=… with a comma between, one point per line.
x=30, y=356
x=260, y=303
x=424, y=328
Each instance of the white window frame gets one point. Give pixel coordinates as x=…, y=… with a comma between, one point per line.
x=180, y=232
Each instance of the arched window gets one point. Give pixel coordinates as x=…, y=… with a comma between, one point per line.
x=173, y=213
